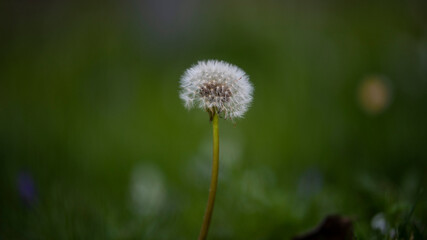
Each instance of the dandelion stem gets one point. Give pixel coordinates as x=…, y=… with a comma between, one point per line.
x=214, y=179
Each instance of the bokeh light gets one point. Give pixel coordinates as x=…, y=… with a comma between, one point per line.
x=374, y=94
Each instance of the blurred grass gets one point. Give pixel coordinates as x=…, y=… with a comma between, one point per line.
x=89, y=93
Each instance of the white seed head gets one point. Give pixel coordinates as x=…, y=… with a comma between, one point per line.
x=217, y=86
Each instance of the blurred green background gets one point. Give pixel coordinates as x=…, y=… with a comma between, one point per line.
x=96, y=144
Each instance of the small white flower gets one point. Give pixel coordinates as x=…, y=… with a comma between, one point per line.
x=217, y=86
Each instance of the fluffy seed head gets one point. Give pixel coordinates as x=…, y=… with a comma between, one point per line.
x=217, y=86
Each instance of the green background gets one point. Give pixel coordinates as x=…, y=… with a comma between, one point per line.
x=90, y=116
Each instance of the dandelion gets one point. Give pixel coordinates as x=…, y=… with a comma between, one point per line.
x=222, y=90
x=217, y=86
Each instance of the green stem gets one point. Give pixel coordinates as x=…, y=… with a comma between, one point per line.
x=214, y=179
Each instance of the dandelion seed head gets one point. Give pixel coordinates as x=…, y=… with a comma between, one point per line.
x=217, y=86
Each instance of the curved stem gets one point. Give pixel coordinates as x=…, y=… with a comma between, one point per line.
x=214, y=179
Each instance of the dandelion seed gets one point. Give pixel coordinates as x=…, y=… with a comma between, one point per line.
x=217, y=86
